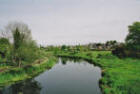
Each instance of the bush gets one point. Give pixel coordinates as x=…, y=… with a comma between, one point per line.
x=123, y=51
x=119, y=51
x=4, y=49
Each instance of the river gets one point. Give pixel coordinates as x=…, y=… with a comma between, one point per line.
x=68, y=76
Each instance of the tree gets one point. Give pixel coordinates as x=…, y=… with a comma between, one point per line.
x=12, y=26
x=24, y=48
x=133, y=37
x=131, y=48
x=63, y=48
x=18, y=39
x=111, y=44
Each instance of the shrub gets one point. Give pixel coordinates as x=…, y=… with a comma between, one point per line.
x=123, y=51
x=119, y=51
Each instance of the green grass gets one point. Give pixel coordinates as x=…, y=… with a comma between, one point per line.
x=16, y=74
x=119, y=76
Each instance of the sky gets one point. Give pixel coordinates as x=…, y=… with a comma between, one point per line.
x=57, y=22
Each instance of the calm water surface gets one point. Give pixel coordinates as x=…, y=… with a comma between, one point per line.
x=66, y=77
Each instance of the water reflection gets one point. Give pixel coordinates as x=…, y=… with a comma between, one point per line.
x=68, y=76
x=25, y=87
x=64, y=60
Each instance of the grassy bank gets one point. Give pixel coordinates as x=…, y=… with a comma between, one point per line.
x=120, y=76
x=14, y=74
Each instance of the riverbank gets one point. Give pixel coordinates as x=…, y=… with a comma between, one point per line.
x=14, y=74
x=119, y=76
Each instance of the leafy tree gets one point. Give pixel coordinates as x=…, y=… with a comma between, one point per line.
x=131, y=48
x=24, y=48
x=133, y=37
x=63, y=47
x=18, y=40
x=111, y=44
x=28, y=51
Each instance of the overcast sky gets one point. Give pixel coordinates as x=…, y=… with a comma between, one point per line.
x=72, y=21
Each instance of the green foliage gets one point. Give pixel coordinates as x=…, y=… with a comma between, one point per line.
x=17, y=74
x=133, y=38
x=123, y=51
x=4, y=50
x=89, y=54
x=111, y=44
x=22, y=48
x=132, y=46
x=18, y=39
x=56, y=50
x=29, y=52
x=119, y=51
x=4, y=41
x=134, y=33
x=63, y=47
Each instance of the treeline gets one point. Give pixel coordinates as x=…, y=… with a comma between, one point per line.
x=17, y=46
x=108, y=46
x=130, y=48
